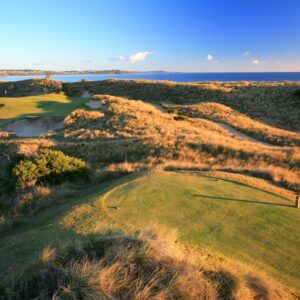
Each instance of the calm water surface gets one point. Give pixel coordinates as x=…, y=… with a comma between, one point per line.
x=177, y=77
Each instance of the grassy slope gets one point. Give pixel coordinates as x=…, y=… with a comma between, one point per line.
x=260, y=234
x=53, y=105
x=23, y=244
x=265, y=235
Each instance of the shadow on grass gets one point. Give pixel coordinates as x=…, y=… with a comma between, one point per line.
x=225, y=282
x=243, y=200
x=51, y=108
x=258, y=287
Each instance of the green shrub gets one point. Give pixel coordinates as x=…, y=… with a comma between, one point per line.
x=297, y=93
x=25, y=171
x=48, y=166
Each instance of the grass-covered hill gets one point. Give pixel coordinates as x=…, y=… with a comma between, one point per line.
x=95, y=249
x=222, y=113
x=276, y=104
x=238, y=221
x=119, y=164
x=29, y=87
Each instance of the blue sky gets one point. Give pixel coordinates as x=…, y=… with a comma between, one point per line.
x=177, y=35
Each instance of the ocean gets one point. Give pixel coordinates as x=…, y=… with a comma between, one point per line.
x=177, y=77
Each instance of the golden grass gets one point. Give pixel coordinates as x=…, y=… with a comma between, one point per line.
x=148, y=265
x=222, y=113
x=273, y=103
x=134, y=131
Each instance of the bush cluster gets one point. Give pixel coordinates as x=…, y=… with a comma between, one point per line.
x=29, y=87
x=48, y=166
x=297, y=93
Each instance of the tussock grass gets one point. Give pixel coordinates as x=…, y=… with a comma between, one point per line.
x=142, y=131
x=150, y=265
x=135, y=131
x=222, y=113
x=273, y=103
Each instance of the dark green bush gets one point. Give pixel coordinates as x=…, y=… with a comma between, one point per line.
x=297, y=93
x=48, y=166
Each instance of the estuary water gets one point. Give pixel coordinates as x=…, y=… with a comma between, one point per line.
x=177, y=77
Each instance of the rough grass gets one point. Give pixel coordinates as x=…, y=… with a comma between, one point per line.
x=135, y=131
x=273, y=103
x=195, y=140
x=148, y=265
x=222, y=113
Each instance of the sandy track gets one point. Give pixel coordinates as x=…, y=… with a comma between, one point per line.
x=229, y=129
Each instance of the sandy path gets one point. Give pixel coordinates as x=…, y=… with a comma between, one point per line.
x=243, y=135
x=229, y=129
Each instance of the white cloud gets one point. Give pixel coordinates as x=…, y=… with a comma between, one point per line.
x=138, y=56
x=247, y=53
x=277, y=62
x=210, y=57
x=256, y=61
x=133, y=58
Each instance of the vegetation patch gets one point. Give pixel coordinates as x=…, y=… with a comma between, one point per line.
x=149, y=265
x=222, y=113
x=48, y=166
x=29, y=87
x=273, y=103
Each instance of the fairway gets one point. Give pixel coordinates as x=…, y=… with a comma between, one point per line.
x=232, y=219
x=52, y=105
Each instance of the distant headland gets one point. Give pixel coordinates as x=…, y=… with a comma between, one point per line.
x=31, y=72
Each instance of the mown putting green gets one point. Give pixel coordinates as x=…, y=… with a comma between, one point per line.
x=235, y=220
x=52, y=105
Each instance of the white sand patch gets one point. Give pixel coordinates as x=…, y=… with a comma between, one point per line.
x=94, y=104
x=86, y=94
x=34, y=127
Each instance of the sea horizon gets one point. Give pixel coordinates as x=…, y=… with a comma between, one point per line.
x=172, y=76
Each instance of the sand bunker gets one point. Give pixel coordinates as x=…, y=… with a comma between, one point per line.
x=93, y=104
x=34, y=127
x=86, y=94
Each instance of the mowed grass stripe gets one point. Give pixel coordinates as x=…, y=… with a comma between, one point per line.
x=238, y=221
